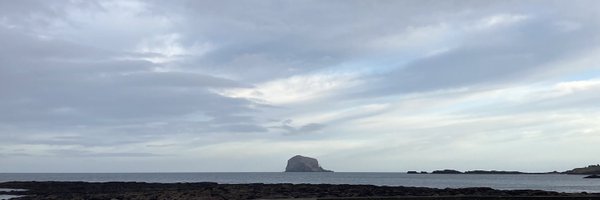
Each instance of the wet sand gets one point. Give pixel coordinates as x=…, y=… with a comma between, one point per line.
x=205, y=190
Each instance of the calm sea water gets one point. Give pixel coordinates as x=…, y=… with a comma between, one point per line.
x=551, y=182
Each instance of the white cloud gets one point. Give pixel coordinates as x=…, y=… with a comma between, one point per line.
x=578, y=86
x=166, y=48
x=500, y=20
x=296, y=89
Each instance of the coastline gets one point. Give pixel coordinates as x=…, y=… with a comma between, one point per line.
x=548, y=182
x=208, y=190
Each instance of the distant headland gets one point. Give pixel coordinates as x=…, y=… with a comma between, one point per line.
x=300, y=163
x=589, y=170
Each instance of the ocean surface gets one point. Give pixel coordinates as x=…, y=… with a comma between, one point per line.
x=550, y=182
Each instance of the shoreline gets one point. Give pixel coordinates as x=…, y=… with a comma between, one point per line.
x=209, y=190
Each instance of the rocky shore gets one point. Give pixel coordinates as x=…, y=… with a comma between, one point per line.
x=206, y=190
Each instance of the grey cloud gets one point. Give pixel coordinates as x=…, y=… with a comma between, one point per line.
x=311, y=127
x=232, y=119
x=21, y=44
x=31, y=12
x=15, y=155
x=284, y=38
x=521, y=53
x=264, y=43
x=86, y=153
x=574, y=102
x=100, y=102
x=68, y=79
x=243, y=128
x=175, y=79
x=122, y=135
x=287, y=127
x=54, y=86
x=33, y=88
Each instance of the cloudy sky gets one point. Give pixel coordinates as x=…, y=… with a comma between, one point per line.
x=147, y=86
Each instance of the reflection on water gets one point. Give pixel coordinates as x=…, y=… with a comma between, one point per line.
x=6, y=197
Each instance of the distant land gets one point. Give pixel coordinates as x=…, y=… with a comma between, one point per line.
x=300, y=163
x=589, y=170
x=592, y=169
x=451, y=171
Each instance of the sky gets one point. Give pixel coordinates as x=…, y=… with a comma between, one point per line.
x=242, y=86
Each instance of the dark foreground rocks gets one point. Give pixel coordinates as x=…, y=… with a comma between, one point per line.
x=176, y=191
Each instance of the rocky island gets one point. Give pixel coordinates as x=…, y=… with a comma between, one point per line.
x=300, y=163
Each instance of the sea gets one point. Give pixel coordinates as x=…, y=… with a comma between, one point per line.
x=548, y=182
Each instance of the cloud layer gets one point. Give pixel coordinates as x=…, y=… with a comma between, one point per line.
x=104, y=86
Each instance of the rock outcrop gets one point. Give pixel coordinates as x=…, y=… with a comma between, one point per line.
x=592, y=169
x=304, y=164
x=592, y=176
x=446, y=171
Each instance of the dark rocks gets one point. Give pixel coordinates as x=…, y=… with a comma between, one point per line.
x=415, y=172
x=592, y=176
x=304, y=164
x=493, y=172
x=446, y=171
x=451, y=171
x=180, y=191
